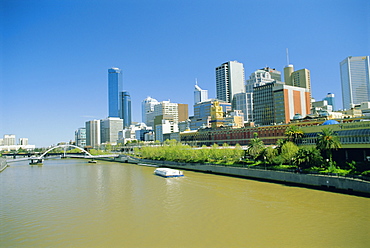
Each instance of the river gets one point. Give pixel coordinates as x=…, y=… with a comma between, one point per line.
x=71, y=203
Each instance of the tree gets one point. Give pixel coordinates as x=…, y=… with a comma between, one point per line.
x=327, y=142
x=256, y=147
x=288, y=151
x=294, y=133
x=308, y=157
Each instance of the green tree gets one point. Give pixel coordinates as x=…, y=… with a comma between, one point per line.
x=294, y=133
x=288, y=151
x=327, y=142
x=308, y=157
x=256, y=147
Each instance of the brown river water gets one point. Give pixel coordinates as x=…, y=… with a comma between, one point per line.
x=71, y=203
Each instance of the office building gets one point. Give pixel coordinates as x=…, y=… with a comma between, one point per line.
x=279, y=103
x=355, y=78
x=109, y=129
x=300, y=78
x=80, y=137
x=23, y=141
x=115, y=86
x=165, y=127
x=244, y=102
x=93, y=133
x=229, y=80
x=9, y=140
x=261, y=77
x=147, y=110
x=167, y=108
x=125, y=108
x=330, y=98
x=200, y=95
x=202, y=113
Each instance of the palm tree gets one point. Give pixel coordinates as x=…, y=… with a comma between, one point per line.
x=328, y=141
x=294, y=133
x=256, y=146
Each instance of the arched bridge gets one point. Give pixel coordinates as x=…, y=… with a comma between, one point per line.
x=39, y=159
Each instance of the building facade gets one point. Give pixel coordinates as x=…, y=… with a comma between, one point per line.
x=147, y=110
x=109, y=129
x=202, y=113
x=261, y=77
x=330, y=98
x=125, y=108
x=229, y=80
x=355, y=79
x=80, y=137
x=199, y=94
x=93, y=137
x=279, y=103
x=244, y=102
x=115, y=86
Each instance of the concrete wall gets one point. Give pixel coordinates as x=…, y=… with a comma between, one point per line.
x=3, y=164
x=321, y=181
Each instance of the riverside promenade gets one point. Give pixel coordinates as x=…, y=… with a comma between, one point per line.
x=317, y=181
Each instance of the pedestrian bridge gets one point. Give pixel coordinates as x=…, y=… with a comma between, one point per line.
x=40, y=159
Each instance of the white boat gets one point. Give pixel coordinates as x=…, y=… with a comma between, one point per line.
x=166, y=172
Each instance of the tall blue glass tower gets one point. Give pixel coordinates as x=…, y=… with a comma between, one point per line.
x=125, y=108
x=115, y=86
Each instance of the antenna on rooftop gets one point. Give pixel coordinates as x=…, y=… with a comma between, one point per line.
x=287, y=56
x=196, y=81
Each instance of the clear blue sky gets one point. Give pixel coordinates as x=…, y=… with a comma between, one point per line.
x=55, y=54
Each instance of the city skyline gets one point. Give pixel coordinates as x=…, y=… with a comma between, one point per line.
x=55, y=55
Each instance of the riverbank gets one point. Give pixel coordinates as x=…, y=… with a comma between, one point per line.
x=322, y=182
x=3, y=164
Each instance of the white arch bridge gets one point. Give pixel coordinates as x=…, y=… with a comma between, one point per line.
x=86, y=154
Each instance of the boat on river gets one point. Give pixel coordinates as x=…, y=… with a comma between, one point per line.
x=166, y=172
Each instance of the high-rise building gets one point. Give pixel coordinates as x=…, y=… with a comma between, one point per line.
x=199, y=94
x=167, y=108
x=279, y=103
x=147, y=110
x=355, y=78
x=109, y=129
x=115, y=86
x=262, y=77
x=9, y=140
x=300, y=78
x=80, y=137
x=330, y=98
x=93, y=133
x=229, y=80
x=244, y=102
x=125, y=108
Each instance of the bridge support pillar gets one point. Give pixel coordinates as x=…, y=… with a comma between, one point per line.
x=36, y=161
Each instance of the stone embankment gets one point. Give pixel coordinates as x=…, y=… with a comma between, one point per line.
x=331, y=183
x=3, y=164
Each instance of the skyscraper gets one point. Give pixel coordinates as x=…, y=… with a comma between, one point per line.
x=199, y=94
x=115, y=86
x=355, y=78
x=93, y=133
x=229, y=80
x=109, y=129
x=330, y=98
x=125, y=108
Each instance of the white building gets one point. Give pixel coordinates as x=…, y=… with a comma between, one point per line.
x=355, y=78
x=164, y=128
x=9, y=140
x=167, y=108
x=147, y=108
x=229, y=80
x=261, y=77
x=199, y=94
